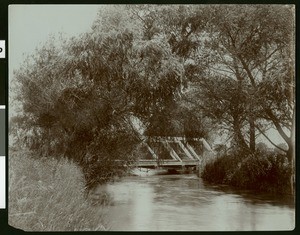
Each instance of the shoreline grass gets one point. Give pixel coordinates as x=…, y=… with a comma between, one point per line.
x=49, y=195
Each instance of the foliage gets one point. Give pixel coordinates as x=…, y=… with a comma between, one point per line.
x=66, y=113
x=251, y=52
x=230, y=53
x=48, y=195
x=77, y=99
x=178, y=119
x=264, y=171
x=181, y=69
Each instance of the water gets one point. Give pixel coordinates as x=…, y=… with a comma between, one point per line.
x=185, y=203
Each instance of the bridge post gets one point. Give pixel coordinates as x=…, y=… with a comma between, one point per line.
x=199, y=169
x=183, y=169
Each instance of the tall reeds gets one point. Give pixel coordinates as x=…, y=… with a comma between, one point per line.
x=49, y=195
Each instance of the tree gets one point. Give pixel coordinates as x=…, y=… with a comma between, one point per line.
x=178, y=118
x=239, y=61
x=173, y=116
x=174, y=67
x=235, y=51
x=262, y=47
x=227, y=52
x=77, y=99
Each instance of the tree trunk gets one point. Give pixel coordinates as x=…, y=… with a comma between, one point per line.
x=238, y=137
x=252, y=133
x=290, y=155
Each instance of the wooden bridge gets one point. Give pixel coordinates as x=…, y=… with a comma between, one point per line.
x=172, y=152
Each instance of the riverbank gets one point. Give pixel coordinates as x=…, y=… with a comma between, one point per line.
x=261, y=171
x=48, y=195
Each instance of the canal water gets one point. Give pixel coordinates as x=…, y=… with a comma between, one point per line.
x=186, y=203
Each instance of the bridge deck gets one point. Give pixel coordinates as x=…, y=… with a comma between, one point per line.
x=145, y=163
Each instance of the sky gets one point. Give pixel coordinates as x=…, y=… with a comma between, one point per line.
x=31, y=25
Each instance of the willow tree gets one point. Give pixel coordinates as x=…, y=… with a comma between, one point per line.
x=77, y=98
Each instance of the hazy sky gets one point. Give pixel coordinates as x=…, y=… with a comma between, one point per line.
x=31, y=25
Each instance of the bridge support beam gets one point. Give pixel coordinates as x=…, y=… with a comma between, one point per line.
x=172, y=151
x=153, y=154
x=185, y=150
x=193, y=151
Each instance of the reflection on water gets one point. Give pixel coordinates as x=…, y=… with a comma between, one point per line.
x=184, y=203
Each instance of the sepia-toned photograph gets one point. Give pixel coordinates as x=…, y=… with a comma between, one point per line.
x=151, y=117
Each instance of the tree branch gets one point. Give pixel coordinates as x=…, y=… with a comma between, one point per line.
x=277, y=125
x=252, y=79
x=269, y=139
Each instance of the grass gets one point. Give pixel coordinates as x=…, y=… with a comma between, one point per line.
x=261, y=171
x=48, y=195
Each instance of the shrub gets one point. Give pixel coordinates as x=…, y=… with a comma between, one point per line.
x=48, y=195
x=261, y=171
